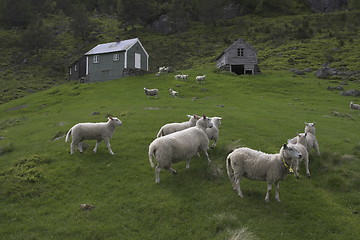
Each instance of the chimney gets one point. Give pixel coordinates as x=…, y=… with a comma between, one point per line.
x=117, y=39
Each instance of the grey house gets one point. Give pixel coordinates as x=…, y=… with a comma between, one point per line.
x=240, y=58
x=110, y=61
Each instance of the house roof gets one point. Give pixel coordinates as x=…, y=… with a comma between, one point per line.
x=240, y=40
x=123, y=45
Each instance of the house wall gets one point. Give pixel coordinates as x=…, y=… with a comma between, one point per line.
x=131, y=57
x=107, y=68
x=249, y=60
x=79, y=71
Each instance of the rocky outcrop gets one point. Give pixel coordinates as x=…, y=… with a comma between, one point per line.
x=324, y=6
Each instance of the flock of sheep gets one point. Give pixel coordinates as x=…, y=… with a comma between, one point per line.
x=176, y=142
x=184, y=77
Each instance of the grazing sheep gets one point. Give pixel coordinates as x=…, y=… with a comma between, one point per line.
x=164, y=69
x=213, y=133
x=151, y=92
x=184, y=77
x=178, y=146
x=173, y=92
x=301, y=143
x=354, y=106
x=200, y=79
x=175, y=127
x=92, y=131
x=256, y=165
x=178, y=77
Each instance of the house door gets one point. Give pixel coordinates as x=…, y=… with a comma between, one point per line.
x=238, y=69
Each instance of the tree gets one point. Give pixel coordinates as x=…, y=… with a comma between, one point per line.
x=81, y=24
x=36, y=36
x=133, y=12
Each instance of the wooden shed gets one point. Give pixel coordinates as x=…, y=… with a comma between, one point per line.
x=109, y=61
x=240, y=58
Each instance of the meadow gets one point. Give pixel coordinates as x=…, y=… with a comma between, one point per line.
x=42, y=185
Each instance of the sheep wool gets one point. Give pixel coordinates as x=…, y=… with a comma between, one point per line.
x=175, y=127
x=178, y=146
x=256, y=165
x=93, y=131
x=301, y=143
x=213, y=133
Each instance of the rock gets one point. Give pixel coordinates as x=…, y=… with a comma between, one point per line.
x=95, y=113
x=335, y=88
x=162, y=25
x=85, y=206
x=351, y=92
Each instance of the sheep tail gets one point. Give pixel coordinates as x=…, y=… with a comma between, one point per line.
x=160, y=133
x=68, y=135
x=229, y=169
x=152, y=151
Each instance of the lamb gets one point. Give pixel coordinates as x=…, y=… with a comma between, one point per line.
x=301, y=144
x=311, y=138
x=93, y=131
x=151, y=92
x=175, y=127
x=200, y=79
x=173, y=92
x=256, y=165
x=213, y=133
x=178, y=77
x=354, y=106
x=178, y=146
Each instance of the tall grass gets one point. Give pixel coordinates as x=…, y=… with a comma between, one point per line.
x=42, y=185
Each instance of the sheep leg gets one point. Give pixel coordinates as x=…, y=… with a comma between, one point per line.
x=107, y=141
x=207, y=156
x=297, y=168
x=237, y=187
x=72, y=146
x=316, y=146
x=157, y=174
x=96, y=145
x=277, y=194
x=173, y=171
x=307, y=166
x=214, y=144
x=188, y=163
x=269, y=188
x=80, y=147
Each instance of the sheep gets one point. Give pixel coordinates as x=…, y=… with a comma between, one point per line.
x=184, y=77
x=164, y=69
x=175, y=127
x=200, y=79
x=173, y=93
x=93, y=131
x=354, y=106
x=311, y=138
x=213, y=133
x=178, y=146
x=178, y=77
x=256, y=165
x=301, y=143
x=151, y=92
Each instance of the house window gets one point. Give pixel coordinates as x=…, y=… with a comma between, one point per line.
x=96, y=59
x=240, y=52
x=70, y=72
x=75, y=68
x=137, y=60
x=116, y=57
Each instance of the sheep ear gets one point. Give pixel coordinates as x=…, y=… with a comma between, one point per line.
x=196, y=116
x=313, y=124
x=305, y=134
x=189, y=116
x=110, y=118
x=289, y=141
x=204, y=116
x=285, y=146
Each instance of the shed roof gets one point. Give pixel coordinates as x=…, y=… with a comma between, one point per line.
x=123, y=45
x=240, y=40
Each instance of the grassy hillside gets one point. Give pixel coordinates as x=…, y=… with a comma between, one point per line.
x=283, y=42
x=42, y=185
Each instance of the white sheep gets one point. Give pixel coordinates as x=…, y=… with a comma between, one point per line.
x=151, y=92
x=178, y=77
x=93, y=131
x=256, y=165
x=354, y=106
x=213, y=133
x=310, y=138
x=164, y=69
x=301, y=143
x=178, y=146
x=184, y=77
x=175, y=127
x=173, y=92
x=200, y=79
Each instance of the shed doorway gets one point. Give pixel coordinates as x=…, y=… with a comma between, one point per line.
x=238, y=69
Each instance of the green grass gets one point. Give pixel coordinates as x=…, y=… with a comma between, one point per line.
x=42, y=185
